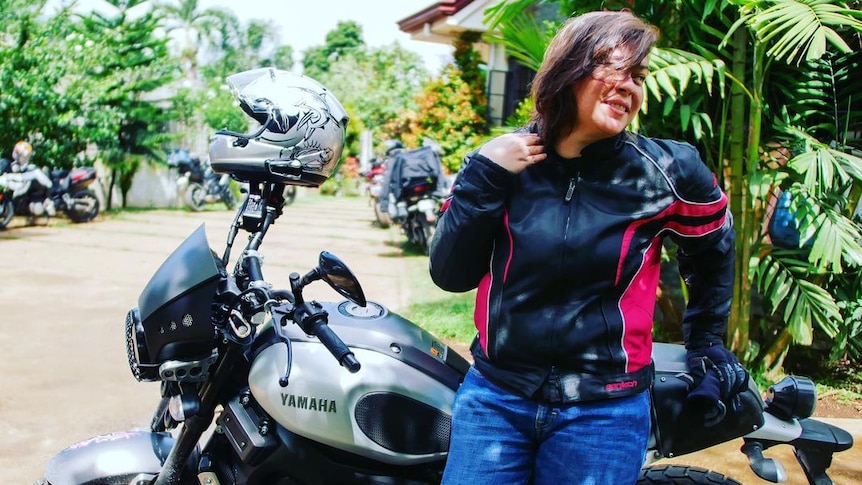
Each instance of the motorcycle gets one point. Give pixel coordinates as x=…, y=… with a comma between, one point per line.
x=200, y=183
x=70, y=194
x=34, y=192
x=375, y=177
x=260, y=385
x=23, y=191
x=416, y=212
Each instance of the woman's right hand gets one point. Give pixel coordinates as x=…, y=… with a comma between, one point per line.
x=515, y=151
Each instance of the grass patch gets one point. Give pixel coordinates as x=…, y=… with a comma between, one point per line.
x=445, y=315
x=842, y=395
x=451, y=318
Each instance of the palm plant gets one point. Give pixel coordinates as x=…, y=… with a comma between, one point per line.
x=793, y=36
x=198, y=27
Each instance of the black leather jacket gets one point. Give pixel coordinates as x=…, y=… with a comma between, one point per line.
x=566, y=256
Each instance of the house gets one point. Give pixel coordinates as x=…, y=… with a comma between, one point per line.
x=443, y=21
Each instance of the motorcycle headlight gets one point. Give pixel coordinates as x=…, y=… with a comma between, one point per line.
x=136, y=349
x=792, y=397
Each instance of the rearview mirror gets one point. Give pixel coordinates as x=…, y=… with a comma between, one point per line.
x=333, y=271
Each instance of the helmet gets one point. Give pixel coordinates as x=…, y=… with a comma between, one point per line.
x=21, y=153
x=392, y=146
x=301, y=134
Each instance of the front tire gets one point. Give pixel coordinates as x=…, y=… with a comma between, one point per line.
x=7, y=210
x=682, y=475
x=289, y=194
x=196, y=197
x=228, y=198
x=84, y=206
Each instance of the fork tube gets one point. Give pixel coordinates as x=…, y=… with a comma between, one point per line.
x=195, y=426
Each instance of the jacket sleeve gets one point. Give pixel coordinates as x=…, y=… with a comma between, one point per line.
x=460, y=252
x=706, y=241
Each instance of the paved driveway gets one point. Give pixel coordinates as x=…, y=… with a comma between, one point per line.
x=65, y=290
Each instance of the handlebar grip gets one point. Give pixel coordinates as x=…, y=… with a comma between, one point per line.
x=336, y=347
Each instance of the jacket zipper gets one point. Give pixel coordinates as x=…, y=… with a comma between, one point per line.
x=570, y=192
x=573, y=182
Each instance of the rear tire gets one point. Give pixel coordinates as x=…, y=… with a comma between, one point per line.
x=84, y=206
x=427, y=234
x=7, y=210
x=682, y=475
x=384, y=220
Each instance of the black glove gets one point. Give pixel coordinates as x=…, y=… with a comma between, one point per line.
x=717, y=380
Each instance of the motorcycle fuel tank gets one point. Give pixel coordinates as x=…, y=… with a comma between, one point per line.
x=396, y=409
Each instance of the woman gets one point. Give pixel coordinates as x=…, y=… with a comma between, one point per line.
x=560, y=228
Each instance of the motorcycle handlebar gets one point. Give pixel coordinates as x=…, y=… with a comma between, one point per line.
x=335, y=345
x=310, y=320
x=252, y=263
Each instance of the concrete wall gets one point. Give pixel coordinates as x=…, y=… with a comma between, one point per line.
x=153, y=186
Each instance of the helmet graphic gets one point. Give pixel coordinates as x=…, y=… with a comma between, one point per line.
x=301, y=134
x=21, y=153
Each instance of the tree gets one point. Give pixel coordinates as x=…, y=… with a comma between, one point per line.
x=126, y=61
x=375, y=85
x=344, y=39
x=796, y=36
x=446, y=114
x=34, y=103
x=211, y=27
x=255, y=45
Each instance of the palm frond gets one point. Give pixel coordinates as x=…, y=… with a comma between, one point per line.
x=524, y=38
x=506, y=11
x=821, y=166
x=671, y=71
x=780, y=276
x=799, y=30
x=836, y=241
x=833, y=240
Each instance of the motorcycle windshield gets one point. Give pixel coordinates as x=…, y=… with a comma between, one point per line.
x=191, y=266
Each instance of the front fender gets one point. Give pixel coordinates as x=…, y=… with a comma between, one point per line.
x=111, y=458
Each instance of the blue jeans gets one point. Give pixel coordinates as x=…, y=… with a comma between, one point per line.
x=500, y=438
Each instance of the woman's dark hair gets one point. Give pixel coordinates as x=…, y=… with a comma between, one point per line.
x=581, y=44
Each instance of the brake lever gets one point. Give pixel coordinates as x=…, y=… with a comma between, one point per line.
x=282, y=336
x=278, y=328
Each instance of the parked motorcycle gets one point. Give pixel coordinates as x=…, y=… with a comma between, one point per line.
x=200, y=184
x=377, y=411
x=32, y=192
x=70, y=193
x=375, y=178
x=417, y=211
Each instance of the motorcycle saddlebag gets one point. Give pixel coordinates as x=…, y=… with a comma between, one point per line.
x=679, y=427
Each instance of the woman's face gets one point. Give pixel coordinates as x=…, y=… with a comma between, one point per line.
x=609, y=98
